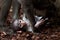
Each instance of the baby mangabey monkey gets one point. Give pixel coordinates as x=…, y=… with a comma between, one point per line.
x=25, y=25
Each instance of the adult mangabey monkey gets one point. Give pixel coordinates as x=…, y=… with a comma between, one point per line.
x=47, y=9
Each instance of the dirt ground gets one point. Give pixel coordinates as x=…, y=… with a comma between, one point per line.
x=47, y=34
